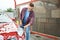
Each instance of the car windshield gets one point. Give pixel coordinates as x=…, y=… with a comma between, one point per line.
x=4, y=19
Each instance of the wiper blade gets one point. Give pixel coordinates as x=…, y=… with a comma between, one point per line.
x=3, y=22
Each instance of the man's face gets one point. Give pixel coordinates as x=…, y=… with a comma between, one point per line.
x=30, y=8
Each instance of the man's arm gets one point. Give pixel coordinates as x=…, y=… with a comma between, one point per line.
x=30, y=23
x=22, y=12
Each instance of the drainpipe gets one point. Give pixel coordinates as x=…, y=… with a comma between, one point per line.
x=15, y=4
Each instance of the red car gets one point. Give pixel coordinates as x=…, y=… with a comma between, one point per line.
x=9, y=29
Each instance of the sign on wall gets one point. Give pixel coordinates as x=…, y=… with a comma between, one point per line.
x=56, y=13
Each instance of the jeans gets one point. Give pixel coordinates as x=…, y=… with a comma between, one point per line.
x=28, y=33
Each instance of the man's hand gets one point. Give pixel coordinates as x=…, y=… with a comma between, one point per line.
x=26, y=26
x=24, y=29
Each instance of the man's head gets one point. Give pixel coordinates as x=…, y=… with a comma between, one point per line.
x=30, y=6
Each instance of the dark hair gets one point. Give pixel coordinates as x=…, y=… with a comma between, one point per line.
x=31, y=5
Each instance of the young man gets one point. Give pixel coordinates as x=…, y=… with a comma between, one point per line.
x=26, y=19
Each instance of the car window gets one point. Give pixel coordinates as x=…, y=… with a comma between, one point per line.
x=4, y=18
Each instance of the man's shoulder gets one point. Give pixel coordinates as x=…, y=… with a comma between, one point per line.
x=24, y=9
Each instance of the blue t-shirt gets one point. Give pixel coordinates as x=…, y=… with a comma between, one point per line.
x=26, y=16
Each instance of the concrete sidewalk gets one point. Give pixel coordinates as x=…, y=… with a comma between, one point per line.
x=37, y=37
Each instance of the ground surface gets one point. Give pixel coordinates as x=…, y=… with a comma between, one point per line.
x=37, y=37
